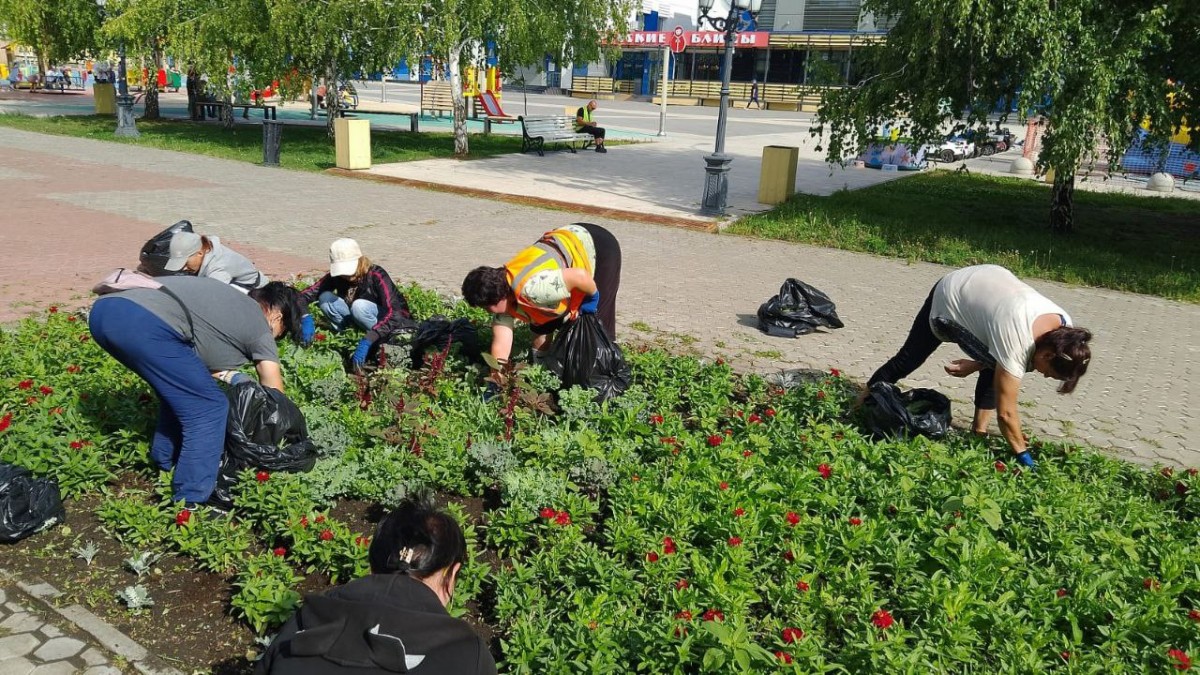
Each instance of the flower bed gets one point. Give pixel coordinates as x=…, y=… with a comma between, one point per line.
x=705, y=521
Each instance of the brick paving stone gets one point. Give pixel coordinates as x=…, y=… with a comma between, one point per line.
x=16, y=666
x=682, y=284
x=21, y=622
x=59, y=648
x=20, y=644
x=56, y=668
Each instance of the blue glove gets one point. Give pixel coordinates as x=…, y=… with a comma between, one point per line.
x=492, y=391
x=1025, y=459
x=591, y=303
x=308, y=329
x=360, y=353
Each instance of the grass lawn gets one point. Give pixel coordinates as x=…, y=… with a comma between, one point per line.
x=304, y=148
x=1128, y=243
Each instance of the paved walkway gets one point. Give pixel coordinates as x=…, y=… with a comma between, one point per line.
x=32, y=645
x=704, y=289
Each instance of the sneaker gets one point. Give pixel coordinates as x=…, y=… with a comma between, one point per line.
x=601, y=148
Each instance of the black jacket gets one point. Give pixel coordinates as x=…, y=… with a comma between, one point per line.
x=377, y=625
x=375, y=286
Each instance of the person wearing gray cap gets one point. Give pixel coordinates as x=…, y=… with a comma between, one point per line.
x=205, y=256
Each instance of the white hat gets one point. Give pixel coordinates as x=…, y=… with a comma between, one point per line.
x=183, y=246
x=343, y=257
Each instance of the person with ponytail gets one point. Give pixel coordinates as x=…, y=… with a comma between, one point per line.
x=1008, y=329
x=393, y=620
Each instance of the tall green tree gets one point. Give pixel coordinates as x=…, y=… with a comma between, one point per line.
x=57, y=30
x=1095, y=68
x=144, y=26
x=456, y=31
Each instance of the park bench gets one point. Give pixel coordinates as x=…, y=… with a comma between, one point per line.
x=213, y=109
x=536, y=132
x=413, y=117
x=437, y=98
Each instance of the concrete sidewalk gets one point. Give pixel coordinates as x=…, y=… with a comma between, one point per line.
x=697, y=289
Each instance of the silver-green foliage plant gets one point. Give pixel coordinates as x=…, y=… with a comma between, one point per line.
x=141, y=563
x=492, y=459
x=86, y=551
x=136, y=598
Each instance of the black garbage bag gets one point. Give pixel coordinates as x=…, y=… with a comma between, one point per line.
x=798, y=309
x=27, y=505
x=157, y=251
x=583, y=354
x=265, y=430
x=891, y=412
x=436, y=332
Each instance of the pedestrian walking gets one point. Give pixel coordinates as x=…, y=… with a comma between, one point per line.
x=754, y=94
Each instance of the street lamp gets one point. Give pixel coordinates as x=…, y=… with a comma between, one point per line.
x=126, y=126
x=716, y=178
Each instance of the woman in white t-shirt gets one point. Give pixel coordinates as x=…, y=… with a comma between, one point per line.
x=1008, y=329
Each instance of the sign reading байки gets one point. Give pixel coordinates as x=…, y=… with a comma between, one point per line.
x=692, y=38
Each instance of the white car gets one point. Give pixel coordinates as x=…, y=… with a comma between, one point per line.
x=950, y=150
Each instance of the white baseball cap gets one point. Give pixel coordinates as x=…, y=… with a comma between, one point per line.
x=183, y=246
x=343, y=257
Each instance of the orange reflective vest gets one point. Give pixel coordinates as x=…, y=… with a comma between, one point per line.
x=557, y=249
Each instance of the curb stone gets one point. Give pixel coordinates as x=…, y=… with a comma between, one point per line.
x=89, y=625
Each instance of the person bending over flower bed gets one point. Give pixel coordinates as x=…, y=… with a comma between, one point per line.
x=178, y=339
x=572, y=270
x=1008, y=329
x=393, y=620
x=206, y=256
x=355, y=290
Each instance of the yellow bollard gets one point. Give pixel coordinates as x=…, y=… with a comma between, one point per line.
x=352, y=142
x=777, y=180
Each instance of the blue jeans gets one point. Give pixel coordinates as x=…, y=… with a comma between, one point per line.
x=190, y=435
x=364, y=312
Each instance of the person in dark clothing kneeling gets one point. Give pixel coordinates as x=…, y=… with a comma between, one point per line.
x=395, y=619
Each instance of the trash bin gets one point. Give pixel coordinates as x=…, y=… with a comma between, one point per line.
x=105, y=94
x=272, y=135
x=777, y=181
x=352, y=141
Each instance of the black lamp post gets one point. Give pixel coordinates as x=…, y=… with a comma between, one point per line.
x=716, y=179
x=126, y=125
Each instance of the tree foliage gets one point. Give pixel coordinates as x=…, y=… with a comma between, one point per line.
x=57, y=30
x=1096, y=69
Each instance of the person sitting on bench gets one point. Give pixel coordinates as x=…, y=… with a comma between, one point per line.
x=585, y=125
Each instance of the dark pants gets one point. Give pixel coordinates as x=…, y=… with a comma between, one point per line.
x=608, y=281
x=190, y=435
x=596, y=132
x=918, y=347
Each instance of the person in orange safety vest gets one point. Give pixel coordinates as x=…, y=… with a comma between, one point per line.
x=570, y=271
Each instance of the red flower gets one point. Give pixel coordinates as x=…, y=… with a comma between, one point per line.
x=1193, y=471
x=683, y=615
x=789, y=556
x=668, y=440
x=855, y=521
x=825, y=470
x=635, y=478
x=835, y=372
x=1167, y=471
x=5, y=421
x=1181, y=660
x=791, y=635
x=820, y=394
x=1194, y=615
x=281, y=551
x=54, y=309
x=46, y=391
x=303, y=521
x=1062, y=592
x=715, y=439
x=76, y=445
x=735, y=541
x=562, y=518
x=1150, y=584
x=682, y=584
x=739, y=414
x=668, y=545
x=326, y=535
x=32, y=400
x=320, y=519
x=792, y=518
x=746, y=453
x=319, y=337
x=1000, y=466
x=24, y=384
x=262, y=476
x=652, y=557
x=1066, y=656
x=362, y=541
x=57, y=410
x=183, y=517
x=802, y=586
x=755, y=419
x=656, y=419
x=769, y=412
x=882, y=619
x=71, y=318
x=783, y=656
x=547, y=512
x=724, y=485
x=739, y=512
x=713, y=615
x=73, y=369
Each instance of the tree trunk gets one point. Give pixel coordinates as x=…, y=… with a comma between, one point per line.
x=151, y=111
x=1062, y=214
x=193, y=91
x=461, y=146
x=333, y=99
x=227, y=110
